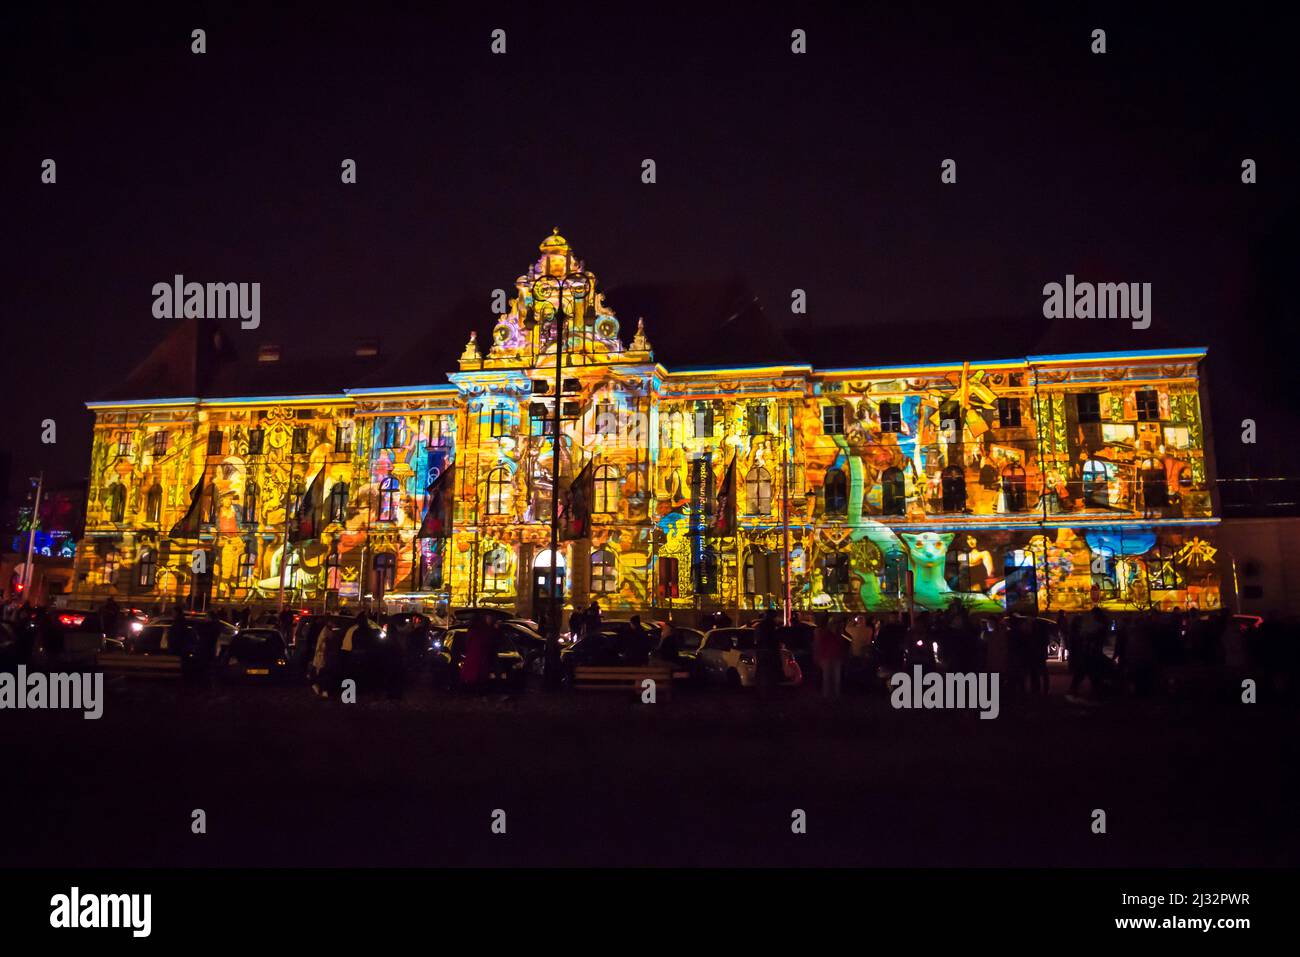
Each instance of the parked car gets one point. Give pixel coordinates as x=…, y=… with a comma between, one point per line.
x=602, y=647
x=255, y=654
x=463, y=616
x=507, y=667
x=411, y=630
x=197, y=650
x=730, y=656
x=688, y=640
x=83, y=633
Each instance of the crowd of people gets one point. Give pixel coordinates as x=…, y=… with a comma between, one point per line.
x=1104, y=655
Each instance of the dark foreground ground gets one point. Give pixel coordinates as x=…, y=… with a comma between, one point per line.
x=710, y=779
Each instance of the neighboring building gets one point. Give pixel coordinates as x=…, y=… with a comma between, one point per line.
x=52, y=547
x=1260, y=539
x=1047, y=480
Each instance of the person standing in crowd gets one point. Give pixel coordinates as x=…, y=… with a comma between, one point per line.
x=479, y=645
x=828, y=653
x=860, y=635
x=669, y=647
x=636, y=644
x=108, y=617
x=997, y=658
x=325, y=660
x=1040, y=639
x=768, y=651
x=285, y=624
x=1087, y=650
x=577, y=625
x=51, y=636
x=179, y=635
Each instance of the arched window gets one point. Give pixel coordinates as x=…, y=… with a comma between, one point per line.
x=112, y=561
x=758, y=491
x=1014, y=488
x=332, y=571
x=893, y=492
x=836, y=490
x=250, y=503
x=605, y=481
x=430, y=570
x=388, y=493
x=147, y=568
x=498, y=491
x=247, y=565
x=1155, y=485
x=153, y=502
x=956, y=565
x=339, y=502
x=116, y=502
x=295, y=498
x=952, y=484
x=496, y=569
x=1162, y=571
x=836, y=578
x=1096, y=491
x=604, y=572
x=385, y=570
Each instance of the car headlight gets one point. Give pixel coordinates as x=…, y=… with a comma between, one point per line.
x=136, y=627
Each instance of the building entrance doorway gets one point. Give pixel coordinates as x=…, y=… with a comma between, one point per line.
x=544, y=588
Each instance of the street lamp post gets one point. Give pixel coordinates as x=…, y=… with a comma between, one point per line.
x=577, y=284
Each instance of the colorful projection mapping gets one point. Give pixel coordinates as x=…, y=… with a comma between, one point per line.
x=1048, y=482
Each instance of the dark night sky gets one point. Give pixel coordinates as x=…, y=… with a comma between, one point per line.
x=817, y=171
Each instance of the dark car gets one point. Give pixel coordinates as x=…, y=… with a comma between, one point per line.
x=463, y=616
x=603, y=647
x=366, y=652
x=411, y=630
x=83, y=633
x=507, y=668
x=197, y=645
x=255, y=654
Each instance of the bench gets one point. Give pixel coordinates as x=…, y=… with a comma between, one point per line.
x=624, y=677
x=144, y=666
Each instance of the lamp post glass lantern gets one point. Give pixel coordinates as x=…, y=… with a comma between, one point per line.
x=575, y=285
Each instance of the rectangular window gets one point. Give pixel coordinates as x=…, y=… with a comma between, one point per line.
x=214, y=442
x=437, y=435
x=255, y=439
x=160, y=443
x=300, y=441
x=833, y=419
x=124, y=443
x=703, y=419
x=606, y=419
x=951, y=421
x=891, y=417
x=500, y=422
x=1088, y=405
x=1148, y=405
x=668, y=578
x=541, y=421
x=392, y=433
x=1009, y=413
x=343, y=438
x=758, y=419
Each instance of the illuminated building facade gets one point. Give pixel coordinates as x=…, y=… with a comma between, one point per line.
x=1048, y=481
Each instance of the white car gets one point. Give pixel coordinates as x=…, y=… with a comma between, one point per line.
x=730, y=656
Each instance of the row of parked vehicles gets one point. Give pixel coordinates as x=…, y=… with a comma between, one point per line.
x=202, y=647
